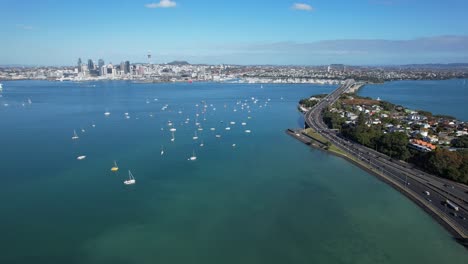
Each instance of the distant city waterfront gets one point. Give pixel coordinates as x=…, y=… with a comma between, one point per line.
x=258, y=197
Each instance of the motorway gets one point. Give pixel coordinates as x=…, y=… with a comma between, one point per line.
x=414, y=183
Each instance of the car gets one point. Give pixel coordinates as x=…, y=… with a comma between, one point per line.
x=429, y=200
x=461, y=217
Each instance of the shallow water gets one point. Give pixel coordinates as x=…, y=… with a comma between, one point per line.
x=270, y=199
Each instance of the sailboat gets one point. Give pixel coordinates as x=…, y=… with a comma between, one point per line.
x=131, y=179
x=193, y=157
x=115, y=168
x=75, y=136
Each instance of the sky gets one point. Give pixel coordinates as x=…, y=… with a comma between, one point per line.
x=302, y=32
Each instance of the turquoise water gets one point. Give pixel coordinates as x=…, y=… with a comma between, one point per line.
x=270, y=199
x=449, y=97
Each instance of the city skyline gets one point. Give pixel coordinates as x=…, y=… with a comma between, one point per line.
x=367, y=32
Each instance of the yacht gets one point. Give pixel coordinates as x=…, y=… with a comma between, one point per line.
x=193, y=157
x=75, y=136
x=131, y=179
x=115, y=168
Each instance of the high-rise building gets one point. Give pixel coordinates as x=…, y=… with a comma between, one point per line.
x=90, y=65
x=127, y=67
x=79, y=64
x=100, y=65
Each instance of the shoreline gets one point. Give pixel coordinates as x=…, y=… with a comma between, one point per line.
x=458, y=235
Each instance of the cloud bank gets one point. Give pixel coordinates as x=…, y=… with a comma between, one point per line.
x=302, y=7
x=162, y=4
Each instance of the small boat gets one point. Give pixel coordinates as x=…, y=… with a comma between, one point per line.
x=212, y=129
x=115, y=168
x=93, y=125
x=202, y=144
x=261, y=86
x=233, y=145
x=81, y=157
x=1, y=87
x=228, y=128
x=107, y=113
x=232, y=123
x=193, y=157
x=29, y=101
x=83, y=130
x=218, y=136
x=162, y=150
x=195, y=137
x=247, y=131
x=75, y=136
x=173, y=130
x=200, y=129
x=244, y=124
x=131, y=179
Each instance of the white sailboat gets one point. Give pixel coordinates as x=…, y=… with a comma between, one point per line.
x=193, y=157
x=131, y=179
x=75, y=136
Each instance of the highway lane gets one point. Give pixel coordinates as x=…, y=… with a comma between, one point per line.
x=413, y=180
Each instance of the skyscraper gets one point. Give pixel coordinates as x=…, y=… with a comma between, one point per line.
x=79, y=64
x=100, y=65
x=90, y=65
x=127, y=67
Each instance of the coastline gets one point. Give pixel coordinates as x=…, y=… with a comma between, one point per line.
x=458, y=234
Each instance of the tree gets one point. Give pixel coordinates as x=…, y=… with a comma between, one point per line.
x=448, y=164
x=460, y=142
x=394, y=145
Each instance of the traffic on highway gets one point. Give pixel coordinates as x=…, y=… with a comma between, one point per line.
x=444, y=198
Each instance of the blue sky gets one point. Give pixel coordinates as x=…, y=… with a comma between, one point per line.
x=305, y=32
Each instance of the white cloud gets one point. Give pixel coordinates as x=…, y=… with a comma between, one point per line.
x=302, y=6
x=24, y=27
x=162, y=4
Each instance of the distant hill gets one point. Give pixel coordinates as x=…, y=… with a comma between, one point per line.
x=178, y=63
x=437, y=65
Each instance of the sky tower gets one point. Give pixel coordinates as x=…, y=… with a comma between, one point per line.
x=149, y=57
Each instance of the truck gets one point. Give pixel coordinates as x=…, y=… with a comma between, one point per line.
x=452, y=205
